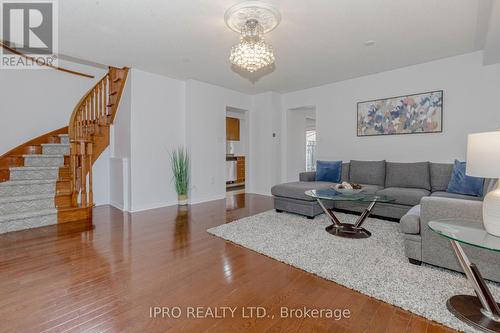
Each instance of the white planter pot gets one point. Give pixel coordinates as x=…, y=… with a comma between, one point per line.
x=182, y=200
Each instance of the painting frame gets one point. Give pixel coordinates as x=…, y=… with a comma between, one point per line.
x=400, y=97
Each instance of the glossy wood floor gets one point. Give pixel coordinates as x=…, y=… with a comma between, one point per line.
x=105, y=278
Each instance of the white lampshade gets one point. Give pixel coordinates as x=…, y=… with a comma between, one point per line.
x=483, y=155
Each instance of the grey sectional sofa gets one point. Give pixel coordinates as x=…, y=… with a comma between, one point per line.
x=408, y=183
x=420, y=193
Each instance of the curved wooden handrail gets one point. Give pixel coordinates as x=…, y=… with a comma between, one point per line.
x=89, y=131
x=61, y=69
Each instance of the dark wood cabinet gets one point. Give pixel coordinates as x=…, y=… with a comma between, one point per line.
x=232, y=129
x=240, y=169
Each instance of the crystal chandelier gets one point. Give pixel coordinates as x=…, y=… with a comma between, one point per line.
x=252, y=53
x=252, y=19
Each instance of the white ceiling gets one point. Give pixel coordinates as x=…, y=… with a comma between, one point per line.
x=317, y=42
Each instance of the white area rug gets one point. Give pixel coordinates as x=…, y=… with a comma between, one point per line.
x=376, y=266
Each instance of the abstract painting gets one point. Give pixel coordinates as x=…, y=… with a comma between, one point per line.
x=418, y=113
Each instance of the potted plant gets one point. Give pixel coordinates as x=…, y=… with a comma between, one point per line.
x=179, y=161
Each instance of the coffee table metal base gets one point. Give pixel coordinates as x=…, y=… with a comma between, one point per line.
x=470, y=310
x=481, y=312
x=347, y=230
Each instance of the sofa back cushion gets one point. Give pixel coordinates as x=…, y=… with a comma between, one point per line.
x=329, y=171
x=367, y=172
x=345, y=172
x=411, y=175
x=440, y=176
x=462, y=184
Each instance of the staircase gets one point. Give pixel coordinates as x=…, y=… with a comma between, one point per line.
x=48, y=180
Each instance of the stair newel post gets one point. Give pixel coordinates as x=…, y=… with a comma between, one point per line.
x=106, y=94
x=89, y=160
x=83, y=174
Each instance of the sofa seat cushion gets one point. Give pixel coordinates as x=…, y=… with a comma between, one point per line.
x=443, y=194
x=295, y=190
x=410, y=222
x=367, y=172
x=413, y=175
x=405, y=196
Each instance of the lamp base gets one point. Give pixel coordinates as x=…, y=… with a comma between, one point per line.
x=491, y=212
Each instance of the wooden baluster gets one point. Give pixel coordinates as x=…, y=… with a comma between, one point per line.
x=103, y=101
x=100, y=105
x=108, y=89
x=78, y=116
x=93, y=112
x=86, y=119
x=83, y=175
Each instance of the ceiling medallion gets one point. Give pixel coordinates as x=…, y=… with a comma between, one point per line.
x=252, y=19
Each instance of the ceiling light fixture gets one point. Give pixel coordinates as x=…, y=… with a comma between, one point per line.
x=252, y=19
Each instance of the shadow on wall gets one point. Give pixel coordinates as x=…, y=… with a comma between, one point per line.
x=255, y=76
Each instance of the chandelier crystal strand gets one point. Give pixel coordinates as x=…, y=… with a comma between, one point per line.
x=252, y=53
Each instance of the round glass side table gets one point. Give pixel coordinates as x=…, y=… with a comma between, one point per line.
x=481, y=312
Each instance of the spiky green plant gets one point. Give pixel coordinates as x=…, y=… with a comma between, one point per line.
x=179, y=160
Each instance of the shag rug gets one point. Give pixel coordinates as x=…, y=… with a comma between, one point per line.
x=376, y=266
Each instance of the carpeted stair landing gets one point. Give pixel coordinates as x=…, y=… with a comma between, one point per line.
x=27, y=199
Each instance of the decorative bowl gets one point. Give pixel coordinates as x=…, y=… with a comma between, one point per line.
x=348, y=191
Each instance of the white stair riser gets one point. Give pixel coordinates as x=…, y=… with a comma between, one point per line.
x=28, y=223
x=8, y=208
x=34, y=161
x=55, y=149
x=34, y=174
x=27, y=189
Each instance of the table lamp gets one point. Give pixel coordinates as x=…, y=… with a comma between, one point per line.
x=483, y=160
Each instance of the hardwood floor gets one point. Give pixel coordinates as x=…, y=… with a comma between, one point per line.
x=106, y=277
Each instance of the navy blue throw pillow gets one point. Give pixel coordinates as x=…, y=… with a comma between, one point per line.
x=462, y=184
x=329, y=171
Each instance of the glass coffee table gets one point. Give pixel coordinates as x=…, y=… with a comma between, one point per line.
x=347, y=230
x=481, y=312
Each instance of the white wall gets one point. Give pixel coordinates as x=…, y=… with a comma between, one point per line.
x=120, y=195
x=265, y=149
x=206, y=136
x=157, y=127
x=471, y=92
x=100, y=179
x=298, y=122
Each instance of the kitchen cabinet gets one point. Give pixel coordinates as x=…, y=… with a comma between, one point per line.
x=232, y=129
x=240, y=169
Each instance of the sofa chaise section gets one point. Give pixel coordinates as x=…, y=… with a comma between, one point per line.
x=424, y=245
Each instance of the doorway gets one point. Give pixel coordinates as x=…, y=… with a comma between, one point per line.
x=301, y=141
x=237, y=148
